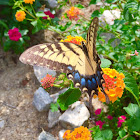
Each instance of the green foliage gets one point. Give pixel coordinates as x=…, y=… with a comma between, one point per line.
x=54, y=107
x=68, y=97
x=105, y=63
x=98, y=134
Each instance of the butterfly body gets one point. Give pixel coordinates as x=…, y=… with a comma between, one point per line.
x=81, y=63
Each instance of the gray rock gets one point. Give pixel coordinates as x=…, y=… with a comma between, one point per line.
x=52, y=3
x=46, y=136
x=53, y=118
x=2, y=123
x=41, y=72
x=61, y=133
x=42, y=100
x=75, y=116
x=55, y=96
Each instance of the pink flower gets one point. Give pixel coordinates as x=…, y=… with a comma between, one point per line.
x=49, y=14
x=14, y=34
x=136, y=53
x=98, y=111
x=121, y=120
x=47, y=81
x=109, y=117
x=119, y=124
x=100, y=123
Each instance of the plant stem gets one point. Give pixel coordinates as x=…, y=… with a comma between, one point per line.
x=33, y=9
x=125, y=137
x=136, y=133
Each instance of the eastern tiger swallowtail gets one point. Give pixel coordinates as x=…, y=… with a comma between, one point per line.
x=81, y=63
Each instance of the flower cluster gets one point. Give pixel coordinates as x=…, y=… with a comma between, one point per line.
x=121, y=119
x=76, y=40
x=48, y=13
x=80, y=133
x=47, y=81
x=14, y=34
x=98, y=111
x=29, y=1
x=113, y=86
x=20, y=15
x=73, y=13
x=100, y=123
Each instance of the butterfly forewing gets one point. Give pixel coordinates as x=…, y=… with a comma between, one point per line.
x=58, y=56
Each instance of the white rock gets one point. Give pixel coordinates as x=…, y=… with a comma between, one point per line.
x=41, y=72
x=75, y=116
x=46, y=136
x=53, y=118
x=61, y=133
x=42, y=100
x=2, y=123
x=52, y=3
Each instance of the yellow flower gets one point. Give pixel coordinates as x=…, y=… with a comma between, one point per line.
x=76, y=40
x=20, y=15
x=113, y=86
x=29, y=1
x=80, y=133
x=73, y=13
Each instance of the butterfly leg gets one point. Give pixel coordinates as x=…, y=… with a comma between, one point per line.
x=90, y=102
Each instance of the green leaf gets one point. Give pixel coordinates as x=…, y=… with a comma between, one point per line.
x=54, y=107
x=133, y=110
x=105, y=63
x=3, y=24
x=133, y=124
x=131, y=138
x=37, y=26
x=96, y=13
x=94, y=1
x=68, y=97
x=40, y=14
x=80, y=6
x=4, y=2
x=107, y=134
x=122, y=133
x=131, y=85
x=24, y=32
x=111, y=1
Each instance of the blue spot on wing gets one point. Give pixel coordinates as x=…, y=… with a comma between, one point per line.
x=83, y=82
x=77, y=76
x=69, y=67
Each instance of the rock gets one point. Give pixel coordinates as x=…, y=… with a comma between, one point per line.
x=75, y=116
x=52, y=3
x=53, y=118
x=2, y=123
x=46, y=136
x=41, y=72
x=61, y=133
x=42, y=100
x=55, y=96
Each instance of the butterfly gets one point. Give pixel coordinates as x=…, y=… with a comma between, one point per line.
x=81, y=63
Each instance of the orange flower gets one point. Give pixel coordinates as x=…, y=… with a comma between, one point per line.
x=20, y=15
x=73, y=13
x=113, y=86
x=29, y=1
x=76, y=40
x=80, y=133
